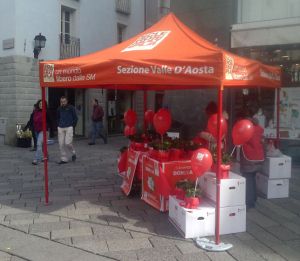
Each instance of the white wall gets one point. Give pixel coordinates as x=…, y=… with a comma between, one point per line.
x=260, y=10
x=7, y=24
x=98, y=23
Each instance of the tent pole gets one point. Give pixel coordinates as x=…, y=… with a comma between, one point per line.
x=277, y=117
x=219, y=157
x=145, y=109
x=45, y=150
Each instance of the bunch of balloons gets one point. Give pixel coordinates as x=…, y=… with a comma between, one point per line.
x=130, y=121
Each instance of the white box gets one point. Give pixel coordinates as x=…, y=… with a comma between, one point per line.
x=232, y=219
x=277, y=167
x=232, y=190
x=272, y=188
x=192, y=223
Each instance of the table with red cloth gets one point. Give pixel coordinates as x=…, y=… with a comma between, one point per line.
x=158, y=178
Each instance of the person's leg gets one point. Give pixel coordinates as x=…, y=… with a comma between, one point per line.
x=38, y=152
x=93, y=132
x=34, y=139
x=69, y=142
x=61, y=141
x=250, y=188
x=101, y=132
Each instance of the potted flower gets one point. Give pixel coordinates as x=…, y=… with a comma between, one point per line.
x=225, y=164
x=23, y=137
x=181, y=187
x=191, y=195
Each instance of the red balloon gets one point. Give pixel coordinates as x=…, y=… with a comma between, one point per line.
x=212, y=125
x=132, y=131
x=201, y=161
x=149, y=114
x=127, y=131
x=162, y=121
x=242, y=131
x=130, y=117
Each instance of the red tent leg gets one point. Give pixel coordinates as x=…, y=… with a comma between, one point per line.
x=277, y=116
x=145, y=108
x=45, y=149
x=219, y=156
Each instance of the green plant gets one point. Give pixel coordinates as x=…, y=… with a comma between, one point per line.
x=159, y=145
x=226, y=157
x=177, y=143
x=193, y=192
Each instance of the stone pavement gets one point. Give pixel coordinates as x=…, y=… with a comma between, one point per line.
x=90, y=219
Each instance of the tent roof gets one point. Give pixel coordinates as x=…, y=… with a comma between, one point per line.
x=168, y=55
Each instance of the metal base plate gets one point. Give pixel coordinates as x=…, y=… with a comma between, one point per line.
x=208, y=245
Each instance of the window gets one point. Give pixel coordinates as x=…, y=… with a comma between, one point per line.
x=121, y=32
x=66, y=23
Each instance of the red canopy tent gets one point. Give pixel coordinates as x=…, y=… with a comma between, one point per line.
x=167, y=56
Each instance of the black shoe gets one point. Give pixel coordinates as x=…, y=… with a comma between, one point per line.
x=91, y=143
x=62, y=162
x=73, y=157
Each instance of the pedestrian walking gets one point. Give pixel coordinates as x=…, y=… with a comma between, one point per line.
x=29, y=126
x=37, y=120
x=66, y=122
x=97, y=123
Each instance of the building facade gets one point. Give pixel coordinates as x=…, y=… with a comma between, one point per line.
x=71, y=28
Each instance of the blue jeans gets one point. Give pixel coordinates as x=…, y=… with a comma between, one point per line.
x=97, y=129
x=250, y=188
x=39, y=148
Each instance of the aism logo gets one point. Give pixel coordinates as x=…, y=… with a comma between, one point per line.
x=147, y=41
x=48, y=72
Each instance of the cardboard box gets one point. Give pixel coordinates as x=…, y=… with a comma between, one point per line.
x=192, y=223
x=272, y=188
x=278, y=167
x=232, y=220
x=232, y=190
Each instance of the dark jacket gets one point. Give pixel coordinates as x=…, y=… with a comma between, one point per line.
x=97, y=113
x=66, y=116
x=29, y=124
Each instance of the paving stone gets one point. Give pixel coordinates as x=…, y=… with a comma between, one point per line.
x=188, y=247
x=264, y=251
x=94, y=246
x=41, y=234
x=192, y=257
x=217, y=256
x=49, y=226
x=160, y=253
x=241, y=251
x=22, y=216
x=130, y=244
x=46, y=219
x=66, y=233
x=292, y=227
x=283, y=233
x=4, y=256
x=121, y=255
x=260, y=219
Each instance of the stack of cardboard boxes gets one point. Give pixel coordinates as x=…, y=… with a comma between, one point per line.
x=273, y=182
x=200, y=222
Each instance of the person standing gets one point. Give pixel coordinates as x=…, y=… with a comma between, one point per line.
x=252, y=157
x=66, y=122
x=97, y=123
x=29, y=126
x=37, y=122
